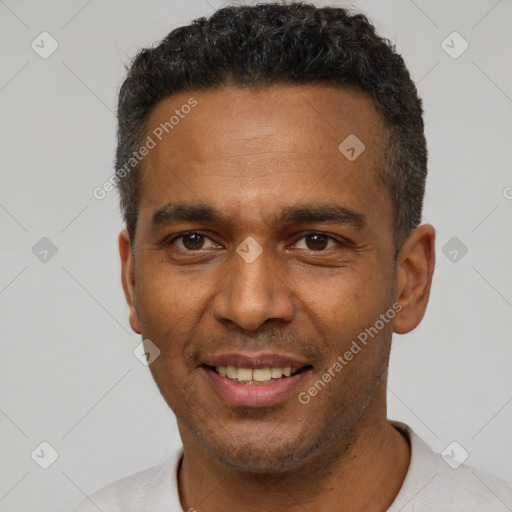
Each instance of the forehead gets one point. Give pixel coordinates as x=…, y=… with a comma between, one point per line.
x=304, y=119
x=265, y=147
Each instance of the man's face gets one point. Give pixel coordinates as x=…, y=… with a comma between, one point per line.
x=317, y=269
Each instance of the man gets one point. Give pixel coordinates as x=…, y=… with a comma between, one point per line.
x=271, y=163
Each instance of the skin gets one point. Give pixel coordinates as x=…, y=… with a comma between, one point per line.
x=250, y=154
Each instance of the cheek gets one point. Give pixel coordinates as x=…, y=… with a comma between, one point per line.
x=347, y=315
x=167, y=298
x=167, y=311
x=346, y=299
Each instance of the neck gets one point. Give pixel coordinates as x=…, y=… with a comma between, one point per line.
x=361, y=472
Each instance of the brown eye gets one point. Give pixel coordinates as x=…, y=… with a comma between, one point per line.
x=316, y=242
x=193, y=241
x=190, y=241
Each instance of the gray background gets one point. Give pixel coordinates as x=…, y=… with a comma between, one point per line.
x=68, y=375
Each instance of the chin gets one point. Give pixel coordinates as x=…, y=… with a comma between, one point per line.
x=261, y=454
x=257, y=461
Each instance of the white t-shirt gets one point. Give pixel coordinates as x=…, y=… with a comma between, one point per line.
x=430, y=485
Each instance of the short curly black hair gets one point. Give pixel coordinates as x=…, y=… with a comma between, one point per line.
x=272, y=43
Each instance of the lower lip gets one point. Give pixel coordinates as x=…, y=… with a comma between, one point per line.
x=254, y=395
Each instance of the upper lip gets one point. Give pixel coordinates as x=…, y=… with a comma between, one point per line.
x=256, y=360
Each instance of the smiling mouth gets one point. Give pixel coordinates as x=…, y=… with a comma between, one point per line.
x=257, y=376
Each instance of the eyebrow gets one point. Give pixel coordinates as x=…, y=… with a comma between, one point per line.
x=331, y=213
x=175, y=213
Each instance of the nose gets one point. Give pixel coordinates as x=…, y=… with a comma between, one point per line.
x=251, y=294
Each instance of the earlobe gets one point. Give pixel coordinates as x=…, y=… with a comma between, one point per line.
x=128, y=278
x=416, y=263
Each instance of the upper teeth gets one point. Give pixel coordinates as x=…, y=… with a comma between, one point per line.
x=258, y=374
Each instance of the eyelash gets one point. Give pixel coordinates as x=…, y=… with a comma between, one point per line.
x=340, y=241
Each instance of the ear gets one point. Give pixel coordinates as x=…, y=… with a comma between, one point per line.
x=415, y=268
x=128, y=278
